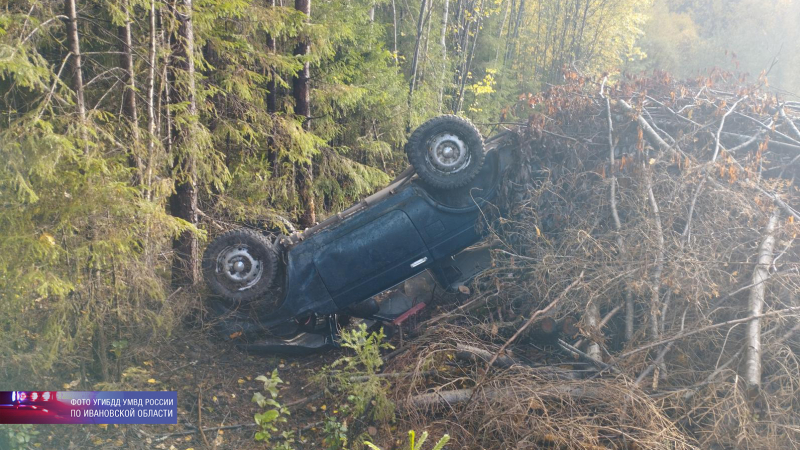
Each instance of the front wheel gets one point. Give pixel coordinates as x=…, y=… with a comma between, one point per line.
x=241, y=265
x=446, y=151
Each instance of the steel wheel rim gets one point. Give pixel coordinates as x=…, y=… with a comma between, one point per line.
x=448, y=153
x=238, y=268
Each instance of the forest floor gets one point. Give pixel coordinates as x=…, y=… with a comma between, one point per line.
x=213, y=375
x=215, y=382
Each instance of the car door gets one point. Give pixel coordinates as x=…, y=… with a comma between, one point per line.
x=372, y=258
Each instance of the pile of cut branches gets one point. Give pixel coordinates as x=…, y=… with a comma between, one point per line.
x=661, y=215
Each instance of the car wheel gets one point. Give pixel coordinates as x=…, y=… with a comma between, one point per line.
x=241, y=265
x=446, y=151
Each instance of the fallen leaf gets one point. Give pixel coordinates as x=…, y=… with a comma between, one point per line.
x=47, y=238
x=151, y=381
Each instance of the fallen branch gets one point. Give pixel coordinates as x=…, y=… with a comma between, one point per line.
x=457, y=396
x=654, y=138
x=362, y=378
x=597, y=363
x=704, y=329
x=470, y=353
x=789, y=122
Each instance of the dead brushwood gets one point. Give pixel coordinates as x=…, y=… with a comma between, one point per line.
x=676, y=202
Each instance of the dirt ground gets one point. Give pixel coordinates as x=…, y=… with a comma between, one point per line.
x=215, y=382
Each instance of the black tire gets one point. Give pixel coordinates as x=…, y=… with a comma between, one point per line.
x=254, y=279
x=455, y=135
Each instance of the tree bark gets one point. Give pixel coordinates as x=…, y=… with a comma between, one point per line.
x=302, y=108
x=412, y=84
x=424, y=57
x=151, y=94
x=459, y=101
x=629, y=304
x=129, y=95
x=272, y=98
x=655, y=287
x=756, y=302
x=394, y=33
x=512, y=36
x=183, y=203
x=443, y=44
x=77, y=70
x=593, y=321
x=500, y=31
x=272, y=95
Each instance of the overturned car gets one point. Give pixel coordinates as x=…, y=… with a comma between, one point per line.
x=294, y=287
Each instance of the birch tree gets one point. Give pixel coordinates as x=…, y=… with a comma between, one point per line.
x=756, y=301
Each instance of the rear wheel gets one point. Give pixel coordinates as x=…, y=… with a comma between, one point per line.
x=446, y=151
x=241, y=265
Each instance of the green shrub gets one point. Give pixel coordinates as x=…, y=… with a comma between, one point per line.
x=269, y=419
x=365, y=392
x=417, y=445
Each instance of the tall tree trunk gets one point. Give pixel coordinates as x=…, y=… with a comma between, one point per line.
x=183, y=203
x=394, y=33
x=424, y=56
x=443, y=44
x=151, y=94
x=500, y=29
x=412, y=84
x=129, y=96
x=302, y=108
x=513, y=35
x=99, y=347
x=272, y=98
x=756, y=302
x=459, y=100
x=77, y=69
